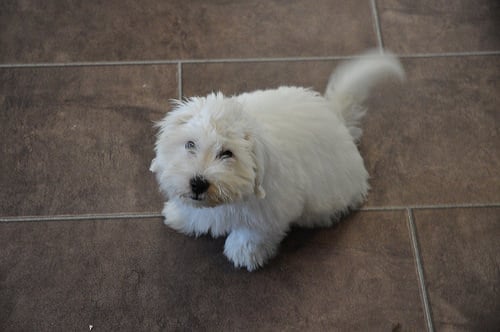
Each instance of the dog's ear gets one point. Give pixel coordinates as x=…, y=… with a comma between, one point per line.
x=181, y=118
x=258, y=160
x=182, y=112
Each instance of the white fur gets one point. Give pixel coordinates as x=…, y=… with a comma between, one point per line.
x=295, y=160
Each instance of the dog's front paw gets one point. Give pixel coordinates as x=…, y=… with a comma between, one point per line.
x=248, y=249
x=173, y=217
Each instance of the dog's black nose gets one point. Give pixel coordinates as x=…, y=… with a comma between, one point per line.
x=199, y=185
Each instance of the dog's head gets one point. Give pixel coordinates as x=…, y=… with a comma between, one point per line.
x=208, y=152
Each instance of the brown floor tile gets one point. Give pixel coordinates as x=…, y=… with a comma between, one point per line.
x=440, y=26
x=79, y=140
x=234, y=78
x=124, y=30
x=139, y=275
x=460, y=252
x=424, y=141
x=434, y=140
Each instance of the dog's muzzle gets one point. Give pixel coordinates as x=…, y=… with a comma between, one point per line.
x=199, y=185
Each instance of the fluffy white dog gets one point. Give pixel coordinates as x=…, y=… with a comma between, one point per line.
x=252, y=165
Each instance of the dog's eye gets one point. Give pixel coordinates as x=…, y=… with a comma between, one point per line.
x=225, y=154
x=190, y=145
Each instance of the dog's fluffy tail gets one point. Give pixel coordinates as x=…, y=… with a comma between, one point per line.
x=351, y=82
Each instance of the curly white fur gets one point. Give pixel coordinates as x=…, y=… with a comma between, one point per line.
x=250, y=166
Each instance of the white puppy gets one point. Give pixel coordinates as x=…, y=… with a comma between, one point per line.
x=252, y=165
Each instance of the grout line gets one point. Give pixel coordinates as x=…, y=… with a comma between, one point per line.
x=279, y=59
x=447, y=54
x=108, y=216
x=378, y=31
x=179, y=79
x=170, y=62
x=235, y=60
x=420, y=271
x=88, y=64
x=381, y=208
x=430, y=207
x=132, y=215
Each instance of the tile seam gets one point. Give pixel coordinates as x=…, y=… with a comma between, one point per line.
x=271, y=59
x=69, y=217
x=420, y=271
x=179, y=79
x=172, y=62
x=234, y=60
x=376, y=21
x=430, y=206
x=88, y=64
x=448, y=54
x=107, y=216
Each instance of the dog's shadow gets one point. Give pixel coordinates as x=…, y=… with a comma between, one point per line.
x=301, y=242
x=306, y=247
x=302, y=246
x=300, y=238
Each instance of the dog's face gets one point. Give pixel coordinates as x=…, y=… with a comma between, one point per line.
x=206, y=153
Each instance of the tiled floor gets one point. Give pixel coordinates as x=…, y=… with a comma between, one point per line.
x=82, y=245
